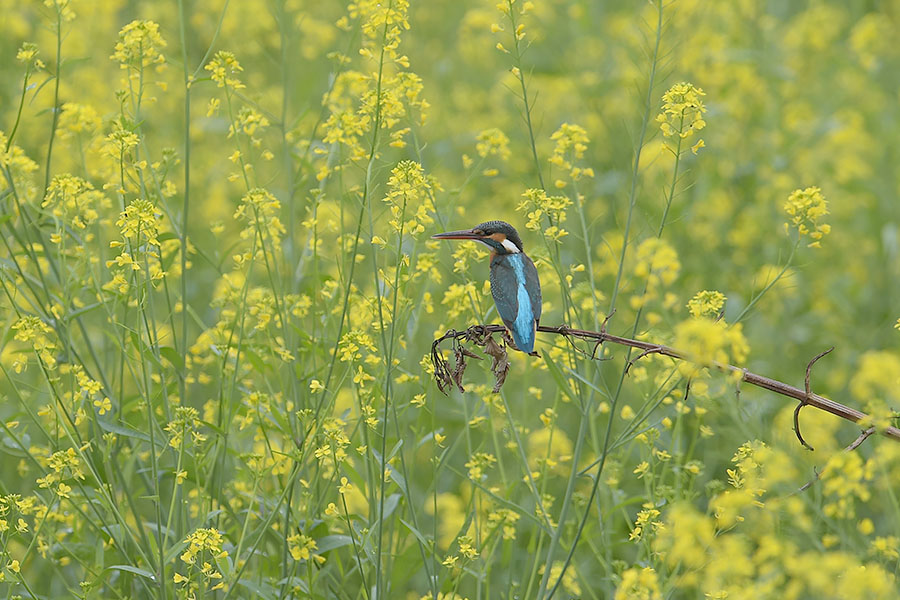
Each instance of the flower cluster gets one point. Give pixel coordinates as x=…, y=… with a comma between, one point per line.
x=74, y=203
x=806, y=208
x=303, y=547
x=639, y=584
x=569, y=579
x=203, y=546
x=140, y=45
x=538, y=206
x=707, y=341
x=185, y=424
x=479, y=463
x=77, y=119
x=20, y=167
x=410, y=198
x=382, y=26
x=492, y=142
x=875, y=384
x=41, y=337
x=28, y=54
x=120, y=141
x=706, y=304
x=259, y=211
x=570, y=145
x=224, y=69
x=139, y=227
x=682, y=113
x=61, y=466
x=846, y=477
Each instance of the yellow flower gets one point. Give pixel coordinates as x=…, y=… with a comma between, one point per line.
x=571, y=144
x=223, y=69
x=409, y=197
x=805, y=208
x=346, y=487
x=466, y=548
x=492, y=142
x=103, y=406
x=706, y=304
x=682, y=111
x=13, y=566
x=479, y=462
x=139, y=45
x=639, y=584
x=28, y=54
x=706, y=341
x=301, y=547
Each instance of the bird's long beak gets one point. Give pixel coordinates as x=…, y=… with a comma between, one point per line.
x=462, y=234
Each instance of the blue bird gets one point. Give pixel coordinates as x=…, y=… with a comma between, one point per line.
x=514, y=279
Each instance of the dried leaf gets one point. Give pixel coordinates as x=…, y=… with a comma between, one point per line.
x=460, y=368
x=469, y=353
x=441, y=372
x=500, y=365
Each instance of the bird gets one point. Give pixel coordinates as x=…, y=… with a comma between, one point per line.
x=514, y=279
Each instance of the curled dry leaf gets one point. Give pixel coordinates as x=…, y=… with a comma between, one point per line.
x=460, y=368
x=500, y=365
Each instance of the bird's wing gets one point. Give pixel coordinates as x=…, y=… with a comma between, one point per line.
x=504, y=288
x=533, y=285
x=516, y=293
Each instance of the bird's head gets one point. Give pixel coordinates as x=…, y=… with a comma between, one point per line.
x=499, y=236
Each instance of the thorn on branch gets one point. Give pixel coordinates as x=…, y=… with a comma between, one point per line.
x=809, y=483
x=800, y=405
x=805, y=401
x=655, y=350
x=866, y=434
x=810, y=365
x=863, y=436
x=606, y=321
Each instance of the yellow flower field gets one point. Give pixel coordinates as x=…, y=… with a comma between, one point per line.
x=225, y=366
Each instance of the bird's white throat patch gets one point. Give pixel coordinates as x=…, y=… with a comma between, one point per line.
x=510, y=247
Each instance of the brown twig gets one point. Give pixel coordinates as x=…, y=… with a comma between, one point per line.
x=478, y=334
x=804, y=402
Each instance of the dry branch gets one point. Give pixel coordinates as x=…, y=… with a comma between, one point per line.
x=481, y=335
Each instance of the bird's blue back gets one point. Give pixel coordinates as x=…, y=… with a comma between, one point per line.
x=517, y=295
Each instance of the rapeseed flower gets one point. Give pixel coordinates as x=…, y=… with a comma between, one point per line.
x=806, y=208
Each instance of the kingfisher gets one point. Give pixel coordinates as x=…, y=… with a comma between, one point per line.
x=514, y=279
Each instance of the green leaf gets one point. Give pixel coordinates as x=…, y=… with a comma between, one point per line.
x=83, y=310
x=128, y=432
x=263, y=590
x=145, y=350
x=425, y=543
x=254, y=359
x=171, y=355
x=174, y=551
x=330, y=542
x=135, y=570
